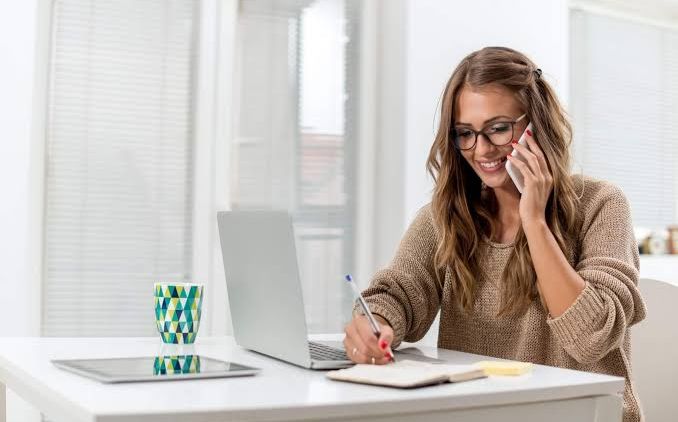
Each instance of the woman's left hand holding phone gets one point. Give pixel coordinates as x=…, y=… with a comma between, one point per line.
x=538, y=181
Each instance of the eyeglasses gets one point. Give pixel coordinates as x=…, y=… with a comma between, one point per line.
x=498, y=133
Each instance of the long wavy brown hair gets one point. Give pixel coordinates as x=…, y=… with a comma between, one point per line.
x=464, y=212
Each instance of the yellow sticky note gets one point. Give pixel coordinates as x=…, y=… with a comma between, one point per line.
x=504, y=367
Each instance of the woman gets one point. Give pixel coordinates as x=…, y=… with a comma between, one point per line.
x=549, y=276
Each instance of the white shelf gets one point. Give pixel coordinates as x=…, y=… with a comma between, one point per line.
x=659, y=267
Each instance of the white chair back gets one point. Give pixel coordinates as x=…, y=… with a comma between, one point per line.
x=654, y=351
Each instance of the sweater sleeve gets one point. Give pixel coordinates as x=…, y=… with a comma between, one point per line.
x=598, y=320
x=407, y=292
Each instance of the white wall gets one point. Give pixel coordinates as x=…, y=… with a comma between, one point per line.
x=390, y=123
x=440, y=33
x=17, y=54
x=17, y=40
x=18, y=30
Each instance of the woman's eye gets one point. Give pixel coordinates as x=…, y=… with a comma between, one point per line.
x=463, y=133
x=499, y=128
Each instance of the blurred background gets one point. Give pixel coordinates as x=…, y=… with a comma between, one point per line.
x=125, y=125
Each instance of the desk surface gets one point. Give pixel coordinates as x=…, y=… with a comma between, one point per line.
x=280, y=391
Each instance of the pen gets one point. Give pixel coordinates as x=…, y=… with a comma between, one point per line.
x=366, y=311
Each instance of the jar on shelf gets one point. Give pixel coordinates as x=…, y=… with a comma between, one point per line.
x=673, y=240
x=656, y=243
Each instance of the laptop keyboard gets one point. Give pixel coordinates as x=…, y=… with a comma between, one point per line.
x=321, y=351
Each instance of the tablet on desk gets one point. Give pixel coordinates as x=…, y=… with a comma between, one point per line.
x=154, y=368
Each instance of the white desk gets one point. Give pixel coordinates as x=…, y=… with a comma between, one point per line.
x=284, y=392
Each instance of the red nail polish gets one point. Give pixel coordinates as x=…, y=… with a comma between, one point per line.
x=508, y=155
x=514, y=141
x=529, y=132
x=383, y=344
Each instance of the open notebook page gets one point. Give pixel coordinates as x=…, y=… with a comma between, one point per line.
x=407, y=374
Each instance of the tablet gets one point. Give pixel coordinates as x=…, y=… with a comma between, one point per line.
x=154, y=368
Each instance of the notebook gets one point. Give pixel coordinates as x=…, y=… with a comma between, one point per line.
x=407, y=374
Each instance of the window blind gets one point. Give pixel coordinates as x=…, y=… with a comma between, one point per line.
x=295, y=136
x=624, y=102
x=119, y=162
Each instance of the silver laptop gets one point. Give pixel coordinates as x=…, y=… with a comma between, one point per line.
x=264, y=290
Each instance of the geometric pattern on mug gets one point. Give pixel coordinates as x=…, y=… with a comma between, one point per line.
x=178, y=312
x=181, y=364
x=171, y=290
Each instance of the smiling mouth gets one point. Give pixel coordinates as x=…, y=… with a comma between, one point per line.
x=491, y=165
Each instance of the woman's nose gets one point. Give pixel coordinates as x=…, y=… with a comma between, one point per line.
x=483, y=144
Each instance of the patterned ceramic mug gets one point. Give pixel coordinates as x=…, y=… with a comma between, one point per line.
x=178, y=307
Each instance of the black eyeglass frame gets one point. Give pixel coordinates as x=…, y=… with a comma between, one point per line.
x=476, y=133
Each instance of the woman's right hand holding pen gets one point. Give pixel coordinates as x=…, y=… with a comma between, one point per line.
x=362, y=346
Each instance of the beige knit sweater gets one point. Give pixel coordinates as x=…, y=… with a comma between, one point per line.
x=592, y=335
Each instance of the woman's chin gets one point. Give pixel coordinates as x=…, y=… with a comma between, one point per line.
x=498, y=181
x=493, y=181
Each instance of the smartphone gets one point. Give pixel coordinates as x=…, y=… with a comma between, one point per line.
x=514, y=173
